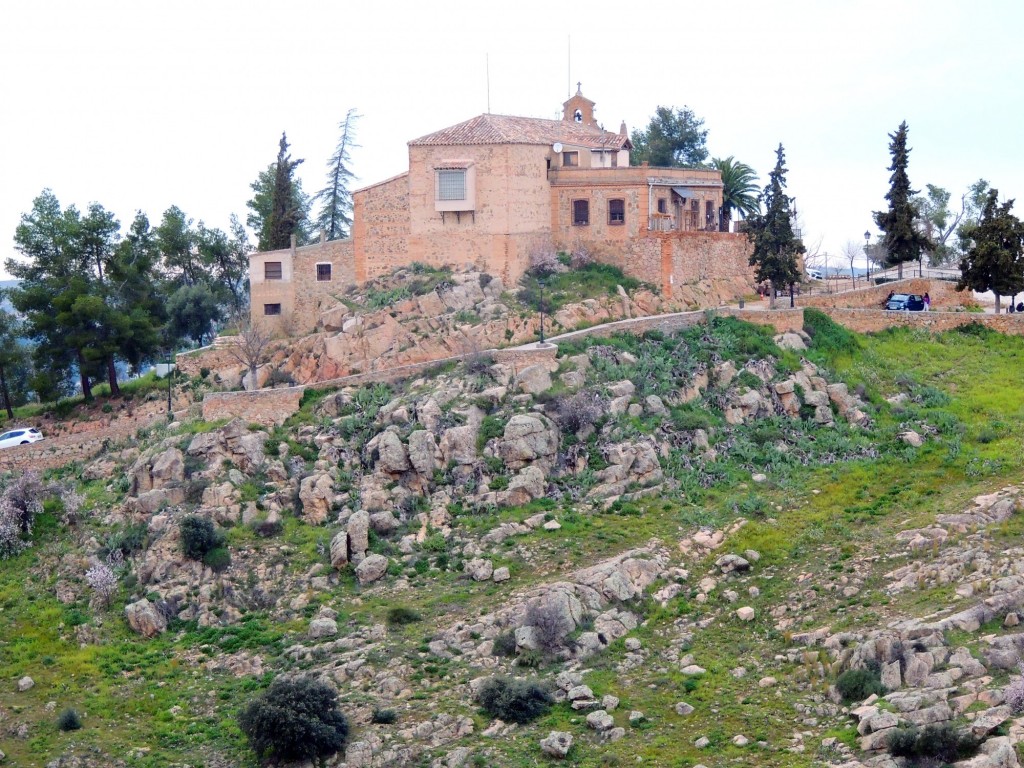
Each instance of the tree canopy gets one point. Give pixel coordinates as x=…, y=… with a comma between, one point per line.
x=739, y=189
x=335, y=216
x=995, y=259
x=674, y=137
x=776, y=249
x=900, y=234
x=279, y=208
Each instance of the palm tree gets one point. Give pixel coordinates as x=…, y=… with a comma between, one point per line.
x=739, y=191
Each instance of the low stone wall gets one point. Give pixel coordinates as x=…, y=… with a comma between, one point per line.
x=264, y=406
x=942, y=293
x=523, y=357
x=782, y=320
x=872, y=320
x=214, y=358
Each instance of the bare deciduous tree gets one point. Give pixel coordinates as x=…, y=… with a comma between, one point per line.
x=851, y=251
x=253, y=346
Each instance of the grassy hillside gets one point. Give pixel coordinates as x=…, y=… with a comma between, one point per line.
x=814, y=509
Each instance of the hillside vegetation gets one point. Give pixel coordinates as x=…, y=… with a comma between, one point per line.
x=665, y=550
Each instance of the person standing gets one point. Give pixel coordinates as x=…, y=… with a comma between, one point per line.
x=927, y=302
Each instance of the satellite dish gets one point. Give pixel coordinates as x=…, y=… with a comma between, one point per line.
x=557, y=147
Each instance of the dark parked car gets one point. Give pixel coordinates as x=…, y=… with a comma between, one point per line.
x=909, y=302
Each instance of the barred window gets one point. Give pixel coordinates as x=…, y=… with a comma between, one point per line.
x=451, y=184
x=580, y=213
x=616, y=211
x=323, y=273
x=271, y=309
x=272, y=270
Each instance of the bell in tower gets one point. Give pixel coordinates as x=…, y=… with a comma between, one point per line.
x=579, y=109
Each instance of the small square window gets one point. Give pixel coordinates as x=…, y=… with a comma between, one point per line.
x=662, y=205
x=272, y=270
x=271, y=309
x=323, y=273
x=616, y=211
x=451, y=184
x=580, y=213
x=570, y=159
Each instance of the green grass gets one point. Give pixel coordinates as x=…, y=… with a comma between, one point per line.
x=814, y=523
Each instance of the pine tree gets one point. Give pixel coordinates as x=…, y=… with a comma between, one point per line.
x=13, y=362
x=285, y=215
x=995, y=260
x=901, y=240
x=776, y=247
x=335, y=217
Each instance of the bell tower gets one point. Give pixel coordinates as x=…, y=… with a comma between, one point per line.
x=579, y=109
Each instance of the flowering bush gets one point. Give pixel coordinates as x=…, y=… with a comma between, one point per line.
x=103, y=581
x=1014, y=693
x=20, y=502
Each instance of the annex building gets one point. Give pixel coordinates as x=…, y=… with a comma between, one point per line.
x=489, y=191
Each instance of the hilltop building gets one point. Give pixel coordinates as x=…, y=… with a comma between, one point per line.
x=493, y=189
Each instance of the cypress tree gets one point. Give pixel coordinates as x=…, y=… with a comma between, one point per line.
x=901, y=240
x=285, y=214
x=776, y=247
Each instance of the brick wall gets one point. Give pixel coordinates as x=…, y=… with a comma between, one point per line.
x=264, y=406
x=942, y=293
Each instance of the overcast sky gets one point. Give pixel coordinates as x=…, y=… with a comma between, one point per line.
x=144, y=105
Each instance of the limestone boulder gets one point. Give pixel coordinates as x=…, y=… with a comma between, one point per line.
x=358, y=535
x=533, y=380
x=557, y=744
x=168, y=468
x=316, y=493
x=526, y=486
x=144, y=618
x=423, y=453
x=391, y=454
x=458, y=445
x=372, y=568
x=339, y=549
x=527, y=439
x=323, y=627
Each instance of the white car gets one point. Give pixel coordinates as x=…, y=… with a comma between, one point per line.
x=814, y=274
x=20, y=437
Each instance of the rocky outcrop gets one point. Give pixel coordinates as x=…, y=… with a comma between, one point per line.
x=145, y=619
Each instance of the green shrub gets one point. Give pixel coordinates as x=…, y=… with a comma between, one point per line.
x=858, y=684
x=827, y=336
x=400, y=616
x=69, y=720
x=199, y=536
x=514, y=700
x=384, y=716
x=943, y=742
x=748, y=380
x=127, y=541
x=688, y=418
x=295, y=719
x=490, y=428
x=219, y=559
x=504, y=644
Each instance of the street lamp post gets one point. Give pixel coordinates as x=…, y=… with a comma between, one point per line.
x=541, y=284
x=170, y=407
x=867, y=240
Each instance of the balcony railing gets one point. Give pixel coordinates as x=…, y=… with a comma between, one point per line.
x=687, y=221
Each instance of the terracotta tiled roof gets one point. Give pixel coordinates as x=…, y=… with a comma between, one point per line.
x=506, y=129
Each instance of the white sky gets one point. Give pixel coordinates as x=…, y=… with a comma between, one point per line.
x=144, y=105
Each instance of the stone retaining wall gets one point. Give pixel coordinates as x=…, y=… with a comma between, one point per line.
x=872, y=320
x=264, y=406
x=943, y=294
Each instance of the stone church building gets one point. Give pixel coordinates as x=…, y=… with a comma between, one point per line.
x=489, y=191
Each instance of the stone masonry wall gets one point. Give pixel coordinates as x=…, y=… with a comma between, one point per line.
x=265, y=406
x=943, y=294
x=872, y=320
x=381, y=227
